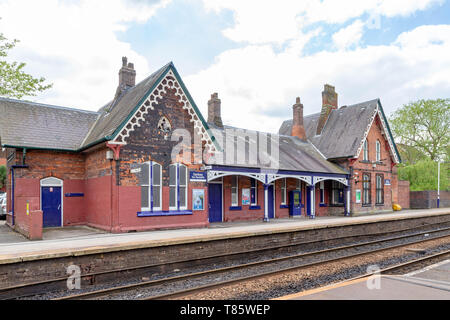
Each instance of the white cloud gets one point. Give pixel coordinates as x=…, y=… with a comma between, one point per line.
x=348, y=36
x=258, y=85
x=259, y=22
x=74, y=45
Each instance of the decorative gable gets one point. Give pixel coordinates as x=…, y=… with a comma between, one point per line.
x=168, y=82
x=385, y=132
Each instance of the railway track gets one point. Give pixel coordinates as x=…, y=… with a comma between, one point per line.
x=130, y=288
x=43, y=286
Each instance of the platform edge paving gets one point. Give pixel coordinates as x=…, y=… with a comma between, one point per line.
x=41, y=255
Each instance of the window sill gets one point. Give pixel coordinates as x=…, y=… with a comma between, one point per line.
x=236, y=208
x=284, y=206
x=367, y=205
x=323, y=205
x=365, y=161
x=337, y=205
x=163, y=213
x=379, y=204
x=254, y=208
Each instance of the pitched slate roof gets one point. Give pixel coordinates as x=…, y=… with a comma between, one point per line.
x=343, y=131
x=116, y=112
x=294, y=154
x=35, y=125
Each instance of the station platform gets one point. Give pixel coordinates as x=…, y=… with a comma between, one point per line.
x=430, y=283
x=98, y=242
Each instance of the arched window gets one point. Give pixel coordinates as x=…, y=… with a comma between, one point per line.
x=366, y=189
x=253, y=192
x=366, y=151
x=380, y=189
x=156, y=186
x=177, y=187
x=234, y=191
x=378, y=150
x=151, y=186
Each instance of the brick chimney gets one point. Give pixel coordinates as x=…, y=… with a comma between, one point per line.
x=298, y=130
x=127, y=77
x=214, y=110
x=329, y=103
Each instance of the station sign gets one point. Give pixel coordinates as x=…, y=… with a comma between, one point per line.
x=199, y=176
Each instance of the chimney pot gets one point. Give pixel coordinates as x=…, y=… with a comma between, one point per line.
x=329, y=103
x=127, y=77
x=214, y=115
x=298, y=130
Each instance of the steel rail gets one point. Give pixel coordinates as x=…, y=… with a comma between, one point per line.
x=134, y=286
x=208, y=287
x=7, y=292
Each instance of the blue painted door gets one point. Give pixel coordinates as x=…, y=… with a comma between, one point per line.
x=51, y=206
x=271, y=213
x=215, y=202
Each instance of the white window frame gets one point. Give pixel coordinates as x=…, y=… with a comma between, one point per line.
x=235, y=204
x=172, y=208
x=366, y=151
x=185, y=186
x=322, y=191
x=299, y=185
x=159, y=208
x=177, y=186
x=256, y=192
x=150, y=186
x=378, y=150
x=283, y=191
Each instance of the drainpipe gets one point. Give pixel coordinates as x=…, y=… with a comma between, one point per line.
x=12, y=194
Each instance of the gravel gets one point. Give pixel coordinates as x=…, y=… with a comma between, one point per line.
x=313, y=278
x=319, y=276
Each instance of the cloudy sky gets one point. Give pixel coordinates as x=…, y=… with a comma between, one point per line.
x=258, y=55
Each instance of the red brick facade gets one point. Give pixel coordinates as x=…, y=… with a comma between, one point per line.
x=384, y=168
x=111, y=195
x=108, y=192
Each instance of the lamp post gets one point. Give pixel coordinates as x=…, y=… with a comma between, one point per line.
x=439, y=175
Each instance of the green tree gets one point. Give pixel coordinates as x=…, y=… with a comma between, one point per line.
x=424, y=125
x=14, y=82
x=423, y=175
x=2, y=176
x=409, y=154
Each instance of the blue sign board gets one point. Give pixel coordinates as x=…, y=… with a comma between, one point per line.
x=197, y=176
x=387, y=182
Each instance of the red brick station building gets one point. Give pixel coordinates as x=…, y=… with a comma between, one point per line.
x=113, y=169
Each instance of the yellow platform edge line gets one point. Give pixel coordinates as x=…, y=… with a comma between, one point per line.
x=321, y=289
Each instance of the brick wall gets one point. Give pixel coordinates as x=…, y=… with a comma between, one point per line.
x=428, y=199
x=3, y=163
x=147, y=142
x=385, y=167
x=281, y=211
x=403, y=194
